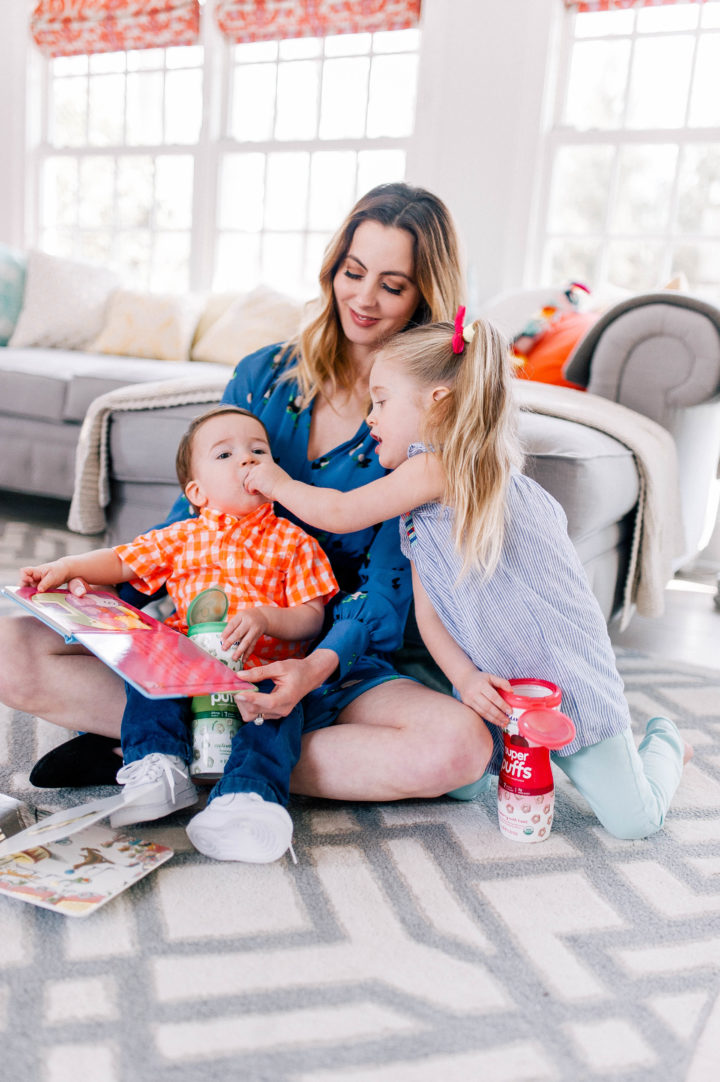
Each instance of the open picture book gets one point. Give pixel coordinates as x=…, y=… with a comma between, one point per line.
x=157, y=660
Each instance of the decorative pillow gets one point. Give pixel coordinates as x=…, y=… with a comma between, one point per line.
x=12, y=288
x=216, y=305
x=255, y=319
x=545, y=359
x=156, y=325
x=64, y=303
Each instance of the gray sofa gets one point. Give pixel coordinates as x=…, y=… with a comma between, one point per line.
x=672, y=350
x=45, y=396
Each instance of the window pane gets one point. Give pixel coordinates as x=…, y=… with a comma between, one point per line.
x=238, y=262
x=132, y=251
x=379, y=167
x=593, y=23
x=645, y=183
x=300, y=48
x=145, y=59
x=571, y=261
x=106, y=62
x=145, y=108
x=95, y=247
x=653, y=20
x=68, y=118
x=396, y=41
x=344, y=98
x=255, y=50
x=660, y=82
x=97, y=193
x=347, y=44
x=635, y=265
x=700, y=262
x=106, y=110
x=711, y=14
x=580, y=183
x=59, y=190
x=297, y=100
x=391, y=106
x=597, y=85
x=173, y=192
x=183, y=106
x=332, y=188
x=242, y=192
x=253, y=102
x=171, y=262
x=705, y=99
x=135, y=188
x=699, y=191
x=184, y=56
x=282, y=260
x=286, y=189
x=68, y=65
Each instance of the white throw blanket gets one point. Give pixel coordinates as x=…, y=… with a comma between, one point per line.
x=91, y=494
x=657, y=534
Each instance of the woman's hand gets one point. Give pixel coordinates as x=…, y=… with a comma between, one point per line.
x=266, y=478
x=478, y=692
x=243, y=630
x=293, y=679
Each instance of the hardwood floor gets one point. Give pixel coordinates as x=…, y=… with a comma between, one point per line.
x=689, y=630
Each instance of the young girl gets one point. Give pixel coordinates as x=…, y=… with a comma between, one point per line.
x=498, y=585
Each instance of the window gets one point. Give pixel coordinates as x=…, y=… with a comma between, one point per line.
x=632, y=187
x=129, y=176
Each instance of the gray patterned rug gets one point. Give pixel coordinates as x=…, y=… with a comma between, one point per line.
x=411, y=942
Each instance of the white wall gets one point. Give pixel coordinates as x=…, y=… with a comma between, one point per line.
x=480, y=101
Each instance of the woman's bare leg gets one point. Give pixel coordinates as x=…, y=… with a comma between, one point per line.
x=396, y=740
x=41, y=674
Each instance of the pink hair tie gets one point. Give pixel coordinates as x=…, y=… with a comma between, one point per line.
x=458, y=342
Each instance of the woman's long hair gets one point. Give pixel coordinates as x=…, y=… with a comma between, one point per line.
x=320, y=346
x=472, y=429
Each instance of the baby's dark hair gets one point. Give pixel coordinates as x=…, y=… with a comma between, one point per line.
x=183, y=458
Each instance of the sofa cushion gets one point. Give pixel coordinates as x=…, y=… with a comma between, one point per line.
x=153, y=325
x=12, y=289
x=59, y=385
x=64, y=302
x=591, y=474
x=252, y=321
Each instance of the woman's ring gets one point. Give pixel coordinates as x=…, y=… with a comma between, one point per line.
x=259, y=719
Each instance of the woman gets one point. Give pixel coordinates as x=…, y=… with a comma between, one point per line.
x=372, y=734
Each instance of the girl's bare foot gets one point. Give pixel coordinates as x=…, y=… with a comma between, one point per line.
x=688, y=753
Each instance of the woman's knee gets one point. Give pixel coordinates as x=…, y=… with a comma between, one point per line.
x=458, y=752
x=15, y=670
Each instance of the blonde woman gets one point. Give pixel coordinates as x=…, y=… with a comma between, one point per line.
x=498, y=586
x=370, y=734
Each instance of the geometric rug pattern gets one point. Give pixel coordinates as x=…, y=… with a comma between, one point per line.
x=410, y=943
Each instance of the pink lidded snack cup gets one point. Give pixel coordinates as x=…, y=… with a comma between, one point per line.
x=526, y=792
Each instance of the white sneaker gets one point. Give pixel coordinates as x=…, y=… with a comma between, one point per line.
x=241, y=826
x=154, y=786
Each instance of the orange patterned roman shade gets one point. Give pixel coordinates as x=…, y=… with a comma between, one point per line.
x=71, y=27
x=275, y=20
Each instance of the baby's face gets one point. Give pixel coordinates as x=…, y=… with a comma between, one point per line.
x=224, y=450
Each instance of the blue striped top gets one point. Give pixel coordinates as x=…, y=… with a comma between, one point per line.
x=535, y=617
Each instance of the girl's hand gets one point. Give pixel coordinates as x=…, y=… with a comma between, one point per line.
x=293, y=679
x=478, y=692
x=45, y=576
x=243, y=630
x=265, y=478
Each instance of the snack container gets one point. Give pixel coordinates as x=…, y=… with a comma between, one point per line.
x=526, y=791
x=215, y=717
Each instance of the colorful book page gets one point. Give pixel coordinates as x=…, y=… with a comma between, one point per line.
x=78, y=874
x=157, y=660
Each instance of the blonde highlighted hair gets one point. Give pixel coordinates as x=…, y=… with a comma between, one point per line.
x=320, y=346
x=472, y=428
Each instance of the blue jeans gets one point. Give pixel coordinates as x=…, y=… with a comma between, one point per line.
x=261, y=756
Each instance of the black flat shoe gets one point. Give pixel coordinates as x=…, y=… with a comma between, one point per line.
x=88, y=759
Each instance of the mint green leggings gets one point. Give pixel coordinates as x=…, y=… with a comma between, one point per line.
x=628, y=788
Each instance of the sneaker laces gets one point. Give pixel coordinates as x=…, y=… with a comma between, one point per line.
x=149, y=769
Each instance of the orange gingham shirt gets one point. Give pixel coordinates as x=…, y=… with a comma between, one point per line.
x=257, y=559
